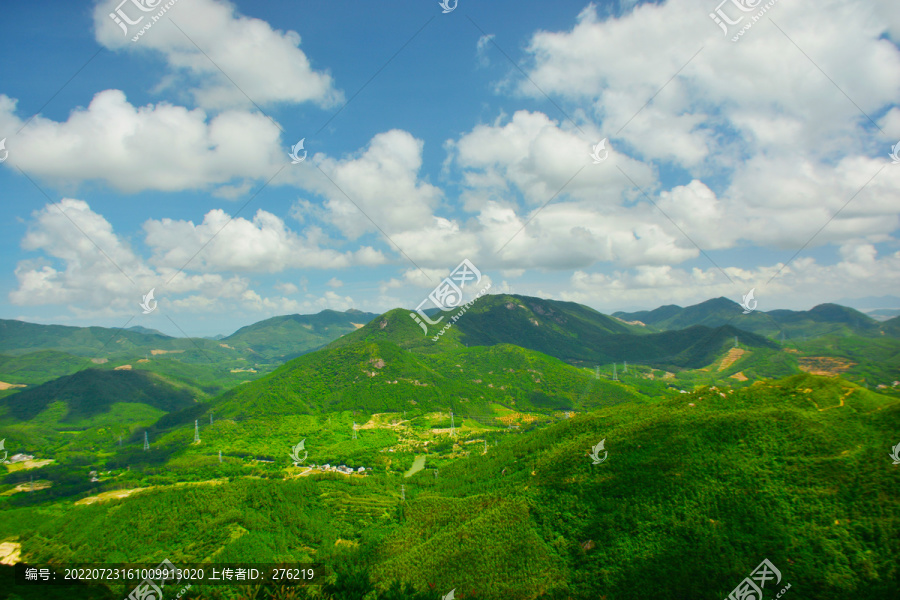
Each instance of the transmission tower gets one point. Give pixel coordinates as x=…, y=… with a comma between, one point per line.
x=451, y=423
x=196, y=431
x=354, y=430
x=220, y=456
x=210, y=418
x=626, y=366
x=735, y=342
x=615, y=376
x=402, y=493
x=146, y=442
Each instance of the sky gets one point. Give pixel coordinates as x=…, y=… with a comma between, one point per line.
x=619, y=154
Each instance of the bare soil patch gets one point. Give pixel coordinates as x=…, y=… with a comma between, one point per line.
x=733, y=355
x=828, y=366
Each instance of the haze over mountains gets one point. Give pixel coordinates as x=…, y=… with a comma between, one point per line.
x=300, y=333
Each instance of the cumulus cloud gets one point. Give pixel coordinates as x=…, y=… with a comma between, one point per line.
x=86, y=265
x=84, y=260
x=381, y=182
x=536, y=157
x=802, y=283
x=154, y=147
x=226, y=59
x=727, y=87
x=263, y=244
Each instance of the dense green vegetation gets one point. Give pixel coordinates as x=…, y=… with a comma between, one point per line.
x=718, y=457
x=581, y=337
x=89, y=393
x=690, y=500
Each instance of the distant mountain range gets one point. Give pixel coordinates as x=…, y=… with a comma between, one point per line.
x=390, y=364
x=564, y=329
x=276, y=338
x=569, y=331
x=824, y=319
x=671, y=338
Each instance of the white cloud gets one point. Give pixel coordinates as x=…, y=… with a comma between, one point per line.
x=87, y=267
x=801, y=284
x=381, y=182
x=88, y=262
x=763, y=88
x=261, y=245
x=539, y=158
x=238, y=60
x=287, y=289
x=484, y=42
x=155, y=147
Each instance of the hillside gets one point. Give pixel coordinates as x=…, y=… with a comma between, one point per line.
x=38, y=367
x=275, y=338
x=288, y=336
x=567, y=331
x=784, y=467
x=32, y=354
x=19, y=337
x=695, y=492
x=379, y=376
x=81, y=398
x=891, y=327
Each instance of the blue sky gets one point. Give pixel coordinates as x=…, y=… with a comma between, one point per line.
x=728, y=165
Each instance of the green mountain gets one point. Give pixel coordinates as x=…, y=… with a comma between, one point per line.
x=824, y=319
x=139, y=329
x=34, y=354
x=695, y=493
x=891, y=327
x=288, y=336
x=380, y=376
x=273, y=339
x=692, y=494
x=38, y=367
x=568, y=331
x=20, y=337
x=87, y=397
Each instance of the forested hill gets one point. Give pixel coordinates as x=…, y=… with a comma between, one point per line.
x=568, y=331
